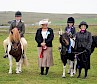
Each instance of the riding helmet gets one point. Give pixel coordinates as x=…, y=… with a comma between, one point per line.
x=70, y=20
x=18, y=14
x=83, y=23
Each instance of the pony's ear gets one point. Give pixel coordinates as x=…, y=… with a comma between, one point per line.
x=11, y=32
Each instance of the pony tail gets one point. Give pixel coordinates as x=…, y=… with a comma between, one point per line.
x=25, y=61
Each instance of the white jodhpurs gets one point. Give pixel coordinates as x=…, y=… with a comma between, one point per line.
x=5, y=43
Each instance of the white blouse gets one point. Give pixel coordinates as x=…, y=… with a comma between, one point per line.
x=44, y=34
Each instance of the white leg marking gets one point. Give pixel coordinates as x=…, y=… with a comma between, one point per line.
x=71, y=68
x=10, y=59
x=64, y=68
x=75, y=63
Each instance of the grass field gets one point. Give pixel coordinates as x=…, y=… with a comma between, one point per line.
x=30, y=74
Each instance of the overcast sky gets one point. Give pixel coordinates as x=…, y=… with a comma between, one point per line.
x=50, y=6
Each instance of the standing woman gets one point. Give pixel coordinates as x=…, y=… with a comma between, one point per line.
x=83, y=44
x=44, y=37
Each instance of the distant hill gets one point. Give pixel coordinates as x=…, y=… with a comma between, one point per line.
x=56, y=19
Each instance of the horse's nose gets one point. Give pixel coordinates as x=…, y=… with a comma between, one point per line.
x=14, y=49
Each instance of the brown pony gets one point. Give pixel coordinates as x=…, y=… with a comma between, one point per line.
x=15, y=49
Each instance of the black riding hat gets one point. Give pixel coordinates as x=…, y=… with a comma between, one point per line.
x=70, y=20
x=18, y=14
x=83, y=23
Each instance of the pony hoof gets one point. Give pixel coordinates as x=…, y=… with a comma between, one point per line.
x=10, y=72
x=74, y=72
x=63, y=76
x=68, y=73
x=20, y=71
x=71, y=75
x=17, y=72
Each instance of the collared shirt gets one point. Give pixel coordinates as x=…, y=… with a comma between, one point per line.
x=17, y=21
x=44, y=34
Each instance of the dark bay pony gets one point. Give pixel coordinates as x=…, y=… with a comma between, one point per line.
x=15, y=50
x=65, y=41
x=94, y=43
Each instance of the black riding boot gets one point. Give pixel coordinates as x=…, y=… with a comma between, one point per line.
x=79, y=73
x=47, y=69
x=86, y=71
x=42, y=71
x=6, y=55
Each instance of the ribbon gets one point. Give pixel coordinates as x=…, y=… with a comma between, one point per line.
x=43, y=49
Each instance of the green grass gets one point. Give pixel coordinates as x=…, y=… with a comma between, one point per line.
x=30, y=74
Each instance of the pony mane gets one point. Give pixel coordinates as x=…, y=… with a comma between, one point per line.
x=14, y=35
x=65, y=40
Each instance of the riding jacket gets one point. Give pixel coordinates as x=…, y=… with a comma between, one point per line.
x=48, y=40
x=83, y=40
x=20, y=26
x=70, y=30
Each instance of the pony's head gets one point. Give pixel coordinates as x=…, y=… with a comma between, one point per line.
x=65, y=39
x=14, y=35
x=65, y=42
